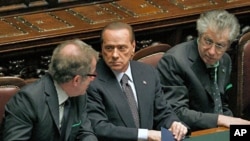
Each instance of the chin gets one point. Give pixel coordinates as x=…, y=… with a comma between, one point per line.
x=114, y=68
x=209, y=62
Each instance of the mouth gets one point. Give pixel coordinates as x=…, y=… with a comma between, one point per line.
x=210, y=59
x=115, y=63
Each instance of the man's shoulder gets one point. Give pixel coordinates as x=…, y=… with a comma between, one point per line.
x=136, y=65
x=182, y=47
x=37, y=89
x=181, y=52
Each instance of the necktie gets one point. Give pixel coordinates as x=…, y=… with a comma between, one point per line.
x=65, y=118
x=215, y=91
x=130, y=98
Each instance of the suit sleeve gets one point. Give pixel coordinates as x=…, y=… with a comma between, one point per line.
x=172, y=76
x=18, y=119
x=100, y=120
x=164, y=115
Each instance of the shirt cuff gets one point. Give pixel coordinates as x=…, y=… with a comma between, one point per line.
x=142, y=134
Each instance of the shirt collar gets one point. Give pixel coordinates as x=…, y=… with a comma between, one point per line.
x=120, y=74
x=213, y=66
x=61, y=94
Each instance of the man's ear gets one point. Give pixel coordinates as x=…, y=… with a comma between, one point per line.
x=134, y=45
x=76, y=79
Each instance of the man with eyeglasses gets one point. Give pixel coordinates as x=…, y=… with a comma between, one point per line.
x=54, y=107
x=196, y=74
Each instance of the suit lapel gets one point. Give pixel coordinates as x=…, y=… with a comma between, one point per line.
x=202, y=75
x=221, y=76
x=115, y=93
x=52, y=100
x=141, y=85
x=121, y=104
x=199, y=67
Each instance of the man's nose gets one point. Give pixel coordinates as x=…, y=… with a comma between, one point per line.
x=212, y=49
x=115, y=52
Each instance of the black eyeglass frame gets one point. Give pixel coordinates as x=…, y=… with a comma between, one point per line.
x=91, y=74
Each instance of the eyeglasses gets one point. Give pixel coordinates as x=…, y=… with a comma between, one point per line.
x=208, y=43
x=91, y=75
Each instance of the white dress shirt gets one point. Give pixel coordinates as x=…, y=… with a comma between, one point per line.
x=142, y=133
x=62, y=97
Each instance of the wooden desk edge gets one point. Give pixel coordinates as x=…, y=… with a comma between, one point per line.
x=208, y=131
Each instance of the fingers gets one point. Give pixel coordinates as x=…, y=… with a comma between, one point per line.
x=179, y=130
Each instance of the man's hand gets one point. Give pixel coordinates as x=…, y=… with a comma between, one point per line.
x=227, y=121
x=154, y=135
x=179, y=130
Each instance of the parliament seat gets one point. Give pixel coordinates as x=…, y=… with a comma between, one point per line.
x=6, y=92
x=244, y=38
x=12, y=80
x=9, y=86
x=151, y=54
x=243, y=75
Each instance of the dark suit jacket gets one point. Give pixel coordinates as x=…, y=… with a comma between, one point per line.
x=109, y=111
x=33, y=114
x=186, y=84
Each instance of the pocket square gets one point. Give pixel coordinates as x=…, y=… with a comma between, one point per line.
x=229, y=86
x=77, y=124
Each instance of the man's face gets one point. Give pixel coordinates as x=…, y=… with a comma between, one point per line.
x=212, y=46
x=117, y=49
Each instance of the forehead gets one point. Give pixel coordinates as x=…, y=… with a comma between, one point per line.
x=116, y=35
x=218, y=36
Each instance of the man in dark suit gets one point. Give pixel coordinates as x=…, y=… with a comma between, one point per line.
x=108, y=107
x=184, y=73
x=38, y=111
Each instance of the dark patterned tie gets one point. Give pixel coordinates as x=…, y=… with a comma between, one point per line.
x=65, y=119
x=130, y=98
x=215, y=91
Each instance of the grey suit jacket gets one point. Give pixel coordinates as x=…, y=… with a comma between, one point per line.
x=186, y=84
x=33, y=115
x=109, y=111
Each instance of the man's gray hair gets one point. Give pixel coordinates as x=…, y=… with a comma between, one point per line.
x=219, y=20
x=64, y=66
